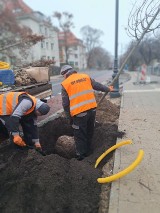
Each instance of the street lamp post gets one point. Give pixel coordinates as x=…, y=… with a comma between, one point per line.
x=116, y=93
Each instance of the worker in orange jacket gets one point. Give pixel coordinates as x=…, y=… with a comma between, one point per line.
x=20, y=108
x=79, y=105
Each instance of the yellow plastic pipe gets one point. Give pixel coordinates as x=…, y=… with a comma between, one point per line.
x=110, y=150
x=125, y=171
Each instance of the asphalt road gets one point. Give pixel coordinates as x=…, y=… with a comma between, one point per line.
x=99, y=76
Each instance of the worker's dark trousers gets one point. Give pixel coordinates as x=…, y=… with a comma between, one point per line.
x=83, y=125
x=3, y=132
x=29, y=128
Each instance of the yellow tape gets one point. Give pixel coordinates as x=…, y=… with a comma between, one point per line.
x=111, y=149
x=125, y=171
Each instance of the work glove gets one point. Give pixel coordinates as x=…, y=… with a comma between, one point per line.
x=111, y=88
x=18, y=141
x=38, y=148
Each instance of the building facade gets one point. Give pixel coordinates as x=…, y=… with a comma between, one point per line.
x=48, y=48
x=72, y=50
x=40, y=25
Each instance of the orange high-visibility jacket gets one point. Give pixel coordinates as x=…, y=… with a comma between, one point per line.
x=8, y=102
x=80, y=92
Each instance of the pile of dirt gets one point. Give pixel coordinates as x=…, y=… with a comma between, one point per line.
x=32, y=183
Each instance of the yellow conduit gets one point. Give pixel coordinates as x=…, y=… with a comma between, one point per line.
x=4, y=65
x=125, y=171
x=110, y=150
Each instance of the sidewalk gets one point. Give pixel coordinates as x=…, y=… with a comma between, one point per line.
x=139, y=191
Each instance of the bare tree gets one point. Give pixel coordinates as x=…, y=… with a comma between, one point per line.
x=100, y=58
x=65, y=25
x=144, y=18
x=91, y=38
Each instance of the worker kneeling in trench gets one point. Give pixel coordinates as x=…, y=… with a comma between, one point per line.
x=79, y=105
x=21, y=108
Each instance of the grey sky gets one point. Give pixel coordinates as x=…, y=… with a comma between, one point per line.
x=99, y=14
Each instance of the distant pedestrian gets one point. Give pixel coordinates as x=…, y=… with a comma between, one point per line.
x=20, y=108
x=79, y=105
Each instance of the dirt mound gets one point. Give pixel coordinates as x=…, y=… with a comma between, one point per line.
x=31, y=183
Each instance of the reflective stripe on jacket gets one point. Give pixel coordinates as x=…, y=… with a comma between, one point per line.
x=8, y=102
x=80, y=93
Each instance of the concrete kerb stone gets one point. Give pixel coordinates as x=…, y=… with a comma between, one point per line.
x=50, y=118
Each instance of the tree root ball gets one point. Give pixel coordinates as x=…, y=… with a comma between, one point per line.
x=65, y=146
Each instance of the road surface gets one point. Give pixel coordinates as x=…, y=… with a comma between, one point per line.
x=99, y=76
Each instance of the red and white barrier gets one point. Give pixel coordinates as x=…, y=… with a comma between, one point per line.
x=143, y=72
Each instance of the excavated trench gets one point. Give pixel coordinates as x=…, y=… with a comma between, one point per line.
x=31, y=183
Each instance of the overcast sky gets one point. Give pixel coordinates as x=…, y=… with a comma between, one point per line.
x=99, y=14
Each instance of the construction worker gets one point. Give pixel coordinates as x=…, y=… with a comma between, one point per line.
x=79, y=105
x=20, y=108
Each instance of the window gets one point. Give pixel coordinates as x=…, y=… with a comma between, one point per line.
x=71, y=63
x=42, y=44
x=75, y=55
x=46, y=45
x=18, y=10
x=46, y=32
x=76, y=63
x=43, y=58
x=52, y=45
x=75, y=48
x=40, y=29
x=48, y=57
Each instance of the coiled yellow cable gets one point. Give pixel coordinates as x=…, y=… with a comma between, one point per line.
x=4, y=65
x=125, y=171
x=111, y=149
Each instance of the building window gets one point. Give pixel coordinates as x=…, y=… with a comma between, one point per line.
x=18, y=10
x=75, y=48
x=76, y=63
x=71, y=63
x=40, y=29
x=42, y=44
x=48, y=57
x=75, y=55
x=46, y=45
x=52, y=45
x=43, y=58
x=46, y=33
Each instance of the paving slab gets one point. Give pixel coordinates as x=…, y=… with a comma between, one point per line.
x=139, y=191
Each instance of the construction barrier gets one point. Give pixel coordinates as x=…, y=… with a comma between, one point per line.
x=143, y=72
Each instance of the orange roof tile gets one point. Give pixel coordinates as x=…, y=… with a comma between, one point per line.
x=18, y=4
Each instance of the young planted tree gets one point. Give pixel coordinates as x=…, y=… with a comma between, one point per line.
x=144, y=18
x=65, y=25
x=91, y=38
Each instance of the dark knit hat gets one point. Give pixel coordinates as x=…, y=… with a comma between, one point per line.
x=42, y=107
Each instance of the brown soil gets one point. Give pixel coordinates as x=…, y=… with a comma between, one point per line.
x=32, y=183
